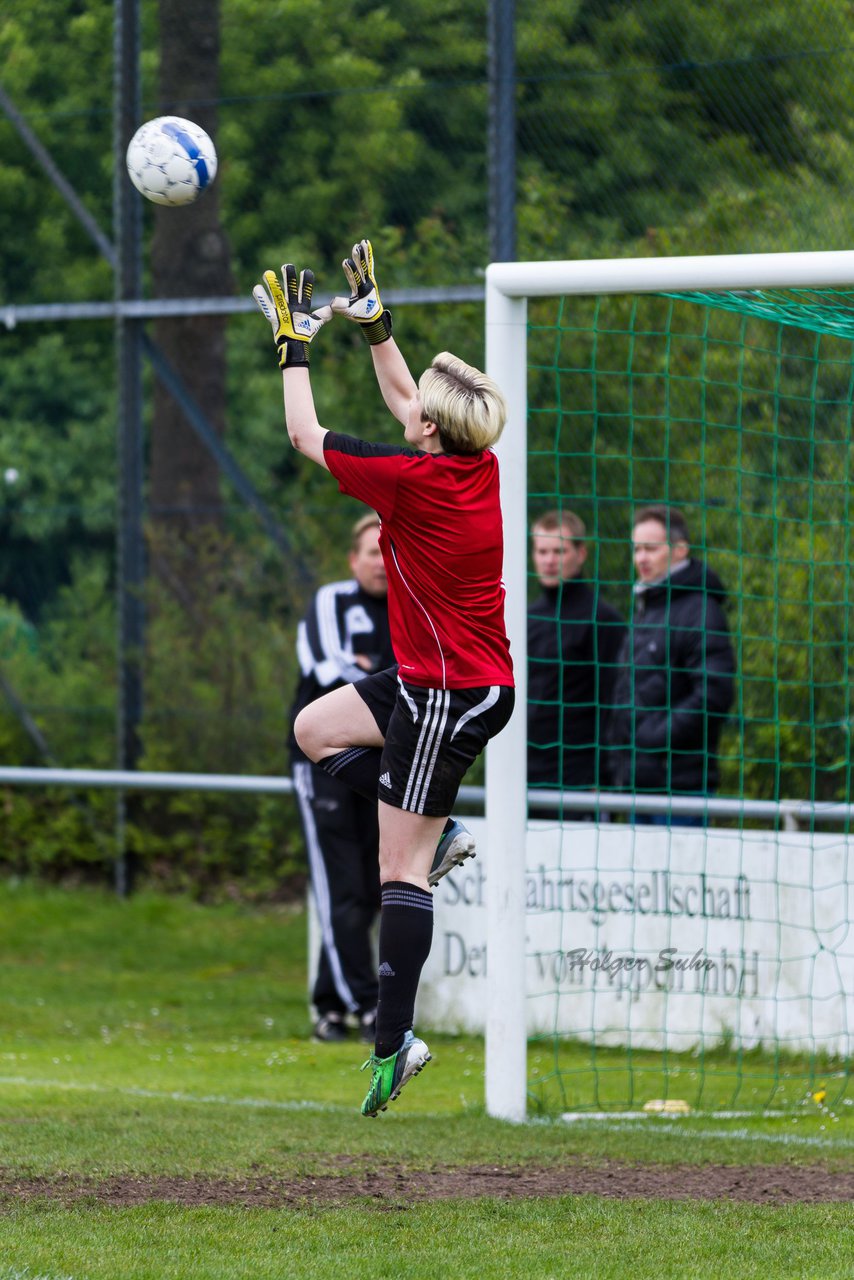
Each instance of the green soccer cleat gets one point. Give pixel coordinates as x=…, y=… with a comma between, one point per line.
x=391, y=1074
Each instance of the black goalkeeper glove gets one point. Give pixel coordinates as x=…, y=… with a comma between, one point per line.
x=293, y=322
x=364, y=304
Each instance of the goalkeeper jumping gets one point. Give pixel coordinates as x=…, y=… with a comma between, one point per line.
x=407, y=735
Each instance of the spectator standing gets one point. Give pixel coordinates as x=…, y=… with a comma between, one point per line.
x=343, y=637
x=574, y=641
x=677, y=668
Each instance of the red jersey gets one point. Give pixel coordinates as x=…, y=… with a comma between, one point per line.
x=443, y=548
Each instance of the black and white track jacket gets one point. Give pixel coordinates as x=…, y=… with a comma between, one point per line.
x=342, y=621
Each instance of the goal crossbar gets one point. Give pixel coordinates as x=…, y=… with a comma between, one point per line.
x=659, y=275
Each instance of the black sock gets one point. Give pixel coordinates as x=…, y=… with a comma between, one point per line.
x=406, y=933
x=357, y=767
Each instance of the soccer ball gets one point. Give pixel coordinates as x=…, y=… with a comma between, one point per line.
x=171, y=161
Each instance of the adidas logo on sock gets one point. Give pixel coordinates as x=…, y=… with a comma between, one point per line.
x=385, y=970
x=385, y=780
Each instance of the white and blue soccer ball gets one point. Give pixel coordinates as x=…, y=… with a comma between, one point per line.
x=171, y=161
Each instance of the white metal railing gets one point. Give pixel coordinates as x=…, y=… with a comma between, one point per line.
x=788, y=812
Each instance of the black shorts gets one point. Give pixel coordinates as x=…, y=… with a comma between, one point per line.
x=432, y=737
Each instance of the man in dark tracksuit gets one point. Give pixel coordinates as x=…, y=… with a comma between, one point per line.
x=574, y=639
x=676, y=680
x=343, y=637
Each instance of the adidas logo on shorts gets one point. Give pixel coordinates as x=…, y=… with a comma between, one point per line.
x=385, y=780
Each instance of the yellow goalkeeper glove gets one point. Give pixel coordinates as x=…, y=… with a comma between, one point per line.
x=364, y=304
x=289, y=312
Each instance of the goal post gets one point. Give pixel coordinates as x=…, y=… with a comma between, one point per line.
x=509, y=287
x=506, y=782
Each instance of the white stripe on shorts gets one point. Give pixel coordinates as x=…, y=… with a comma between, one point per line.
x=445, y=703
x=489, y=701
x=424, y=757
x=408, y=699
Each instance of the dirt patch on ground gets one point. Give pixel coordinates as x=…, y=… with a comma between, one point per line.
x=393, y=1187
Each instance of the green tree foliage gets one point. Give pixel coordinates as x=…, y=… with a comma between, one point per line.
x=662, y=128
x=677, y=120
x=62, y=87
x=220, y=669
x=669, y=127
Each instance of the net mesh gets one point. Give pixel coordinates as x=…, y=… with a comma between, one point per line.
x=710, y=964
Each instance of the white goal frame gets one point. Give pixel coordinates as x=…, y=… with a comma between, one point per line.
x=508, y=286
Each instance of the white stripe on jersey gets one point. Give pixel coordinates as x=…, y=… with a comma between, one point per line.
x=327, y=618
x=333, y=662
x=304, y=655
x=420, y=606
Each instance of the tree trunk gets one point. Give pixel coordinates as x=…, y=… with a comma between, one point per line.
x=190, y=258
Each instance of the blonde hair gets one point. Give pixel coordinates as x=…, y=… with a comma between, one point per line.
x=467, y=406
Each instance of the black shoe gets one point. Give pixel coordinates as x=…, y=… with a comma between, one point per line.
x=330, y=1028
x=368, y=1027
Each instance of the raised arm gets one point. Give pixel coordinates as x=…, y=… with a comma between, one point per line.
x=304, y=431
x=364, y=305
x=396, y=382
x=294, y=325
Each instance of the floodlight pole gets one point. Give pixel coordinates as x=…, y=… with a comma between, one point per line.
x=130, y=550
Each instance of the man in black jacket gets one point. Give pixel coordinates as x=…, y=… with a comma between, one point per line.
x=677, y=668
x=343, y=637
x=574, y=639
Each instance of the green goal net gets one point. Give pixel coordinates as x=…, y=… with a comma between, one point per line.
x=689, y=853
x=736, y=409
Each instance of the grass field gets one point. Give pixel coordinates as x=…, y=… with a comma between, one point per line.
x=163, y=1114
